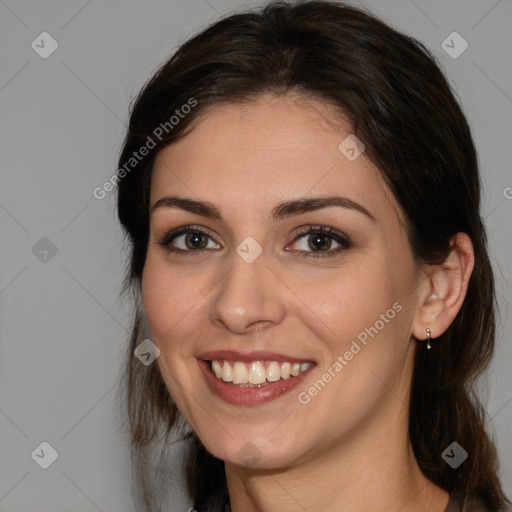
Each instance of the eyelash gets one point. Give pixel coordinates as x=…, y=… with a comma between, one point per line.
x=344, y=241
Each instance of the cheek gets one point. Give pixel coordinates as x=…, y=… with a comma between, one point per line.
x=364, y=327
x=171, y=302
x=352, y=299
x=160, y=302
x=169, y=297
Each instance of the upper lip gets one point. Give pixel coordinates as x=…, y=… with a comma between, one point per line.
x=249, y=357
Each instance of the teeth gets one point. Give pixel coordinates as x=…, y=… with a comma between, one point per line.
x=285, y=370
x=226, y=373
x=239, y=373
x=273, y=371
x=257, y=372
x=217, y=369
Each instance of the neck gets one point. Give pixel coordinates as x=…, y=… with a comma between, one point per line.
x=372, y=469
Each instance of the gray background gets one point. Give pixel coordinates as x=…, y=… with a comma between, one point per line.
x=62, y=326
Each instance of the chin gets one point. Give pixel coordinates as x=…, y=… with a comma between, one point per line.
x=252, y=450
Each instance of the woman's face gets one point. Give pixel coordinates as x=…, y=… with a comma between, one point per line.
x=255, y=286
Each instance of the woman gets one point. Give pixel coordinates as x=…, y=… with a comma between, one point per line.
x=301, y=195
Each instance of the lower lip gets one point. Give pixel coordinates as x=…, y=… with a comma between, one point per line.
x=249, y=396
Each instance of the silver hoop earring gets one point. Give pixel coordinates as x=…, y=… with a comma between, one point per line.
x=429, y=346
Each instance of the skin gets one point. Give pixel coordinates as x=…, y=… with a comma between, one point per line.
x=349, y=445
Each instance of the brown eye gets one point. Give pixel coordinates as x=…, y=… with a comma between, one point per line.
x=195, y=241
x=318, y=241
x=187, y=239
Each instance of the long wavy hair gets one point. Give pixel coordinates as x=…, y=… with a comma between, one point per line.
x=401, y=105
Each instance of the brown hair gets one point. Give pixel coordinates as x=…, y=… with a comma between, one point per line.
x=400, y=104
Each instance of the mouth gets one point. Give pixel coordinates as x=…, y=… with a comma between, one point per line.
x=252, y=379
x=256, y=373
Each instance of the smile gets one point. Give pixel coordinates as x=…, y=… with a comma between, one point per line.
x=252, y=378
x=256, y=373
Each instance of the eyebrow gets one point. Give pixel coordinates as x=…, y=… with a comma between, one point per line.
x=280, y=211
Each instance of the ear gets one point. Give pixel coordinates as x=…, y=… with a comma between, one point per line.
x=444, y=289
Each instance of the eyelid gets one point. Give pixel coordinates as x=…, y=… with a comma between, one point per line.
x=323, y=229
x=169, y=236
x=342, y=239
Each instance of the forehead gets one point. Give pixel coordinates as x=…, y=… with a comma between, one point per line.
x=269, y=129
x=258, y=153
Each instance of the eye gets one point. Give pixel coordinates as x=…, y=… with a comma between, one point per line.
x=313, y=241
x=187, y=239
x=317, y=241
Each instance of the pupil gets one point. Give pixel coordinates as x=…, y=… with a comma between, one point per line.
x=195, y=239
x=319, y=241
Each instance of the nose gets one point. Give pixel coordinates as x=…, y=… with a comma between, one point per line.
x=249, y=297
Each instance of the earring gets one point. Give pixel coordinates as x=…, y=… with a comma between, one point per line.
x=429, y=346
